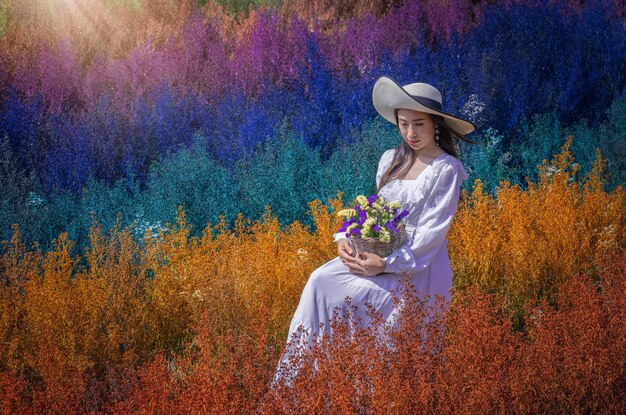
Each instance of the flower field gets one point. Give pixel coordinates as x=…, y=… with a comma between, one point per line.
x=171, y=173
x=197, y=323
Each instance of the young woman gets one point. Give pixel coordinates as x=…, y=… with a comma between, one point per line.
x=424, y=174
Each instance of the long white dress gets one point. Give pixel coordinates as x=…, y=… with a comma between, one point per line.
x=431, y=200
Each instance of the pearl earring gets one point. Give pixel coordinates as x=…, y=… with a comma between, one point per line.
x=437, y=134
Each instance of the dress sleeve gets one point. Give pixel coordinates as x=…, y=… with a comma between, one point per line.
x=433, y=223
x=383, y=163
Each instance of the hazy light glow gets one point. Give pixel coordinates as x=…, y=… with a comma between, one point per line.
x=90, y=18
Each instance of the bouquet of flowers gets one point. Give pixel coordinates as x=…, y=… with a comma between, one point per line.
x=373, y=226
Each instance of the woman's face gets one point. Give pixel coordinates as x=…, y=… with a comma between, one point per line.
x=417, y=129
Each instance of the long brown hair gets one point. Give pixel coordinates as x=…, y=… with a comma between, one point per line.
x=399, y=166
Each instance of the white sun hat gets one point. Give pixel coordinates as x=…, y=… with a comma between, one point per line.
x=387, y=95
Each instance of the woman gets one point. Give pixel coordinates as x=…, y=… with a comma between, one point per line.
x=424, y=174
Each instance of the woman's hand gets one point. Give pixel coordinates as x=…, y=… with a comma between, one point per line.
x=346, y=253
x=344, y=250
x=365, y=263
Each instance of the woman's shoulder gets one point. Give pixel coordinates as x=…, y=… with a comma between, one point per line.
x=388, y=154
x=386, y=157
x=449, y=163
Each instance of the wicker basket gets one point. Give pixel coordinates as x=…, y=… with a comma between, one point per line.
x=375, y=246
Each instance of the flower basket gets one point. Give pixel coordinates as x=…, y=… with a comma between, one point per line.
x=375, y=246
x=373, y=226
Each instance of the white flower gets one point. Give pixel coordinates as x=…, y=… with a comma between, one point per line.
x=144, y=226
x=473, y=108
x=34, y=199
x=302, y=253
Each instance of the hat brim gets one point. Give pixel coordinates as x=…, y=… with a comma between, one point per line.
x=387, y=95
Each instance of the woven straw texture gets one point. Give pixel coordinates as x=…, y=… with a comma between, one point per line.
x=375, y=246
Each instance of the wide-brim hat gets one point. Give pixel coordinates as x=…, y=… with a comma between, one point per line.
x=387, y=95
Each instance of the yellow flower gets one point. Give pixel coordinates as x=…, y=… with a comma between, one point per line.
x=362, y=200
x=385, y=236
x=347, y=213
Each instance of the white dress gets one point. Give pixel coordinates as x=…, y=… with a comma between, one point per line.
x=431, y=200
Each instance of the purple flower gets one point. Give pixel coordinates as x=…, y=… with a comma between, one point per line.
x=372, y=199
x=376, y=228
x=362, y=217
x=355, y=231
x=392, y=228
x=344, y=226
x=400, y=216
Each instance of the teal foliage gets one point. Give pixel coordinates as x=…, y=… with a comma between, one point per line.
x=284, y=173
x=64, y=214
x=544, y=136
x=351, y=169
x=486, y=160
x=97, y=203
x=192, y=179
x=541, y=138
x=612, y=141
x=583, y=148
x=19, y=202
x=103, y=203
x=43, y=217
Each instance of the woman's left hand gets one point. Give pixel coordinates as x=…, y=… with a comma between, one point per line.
x=367, y=264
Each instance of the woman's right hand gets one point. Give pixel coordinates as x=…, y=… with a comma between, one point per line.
x=344, y=250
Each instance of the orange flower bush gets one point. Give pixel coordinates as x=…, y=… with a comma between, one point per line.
x=217, y=373
x=234, y=272
x=523, y=244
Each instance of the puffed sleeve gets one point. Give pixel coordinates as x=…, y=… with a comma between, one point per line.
x=433, y=223
x=383, y=164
